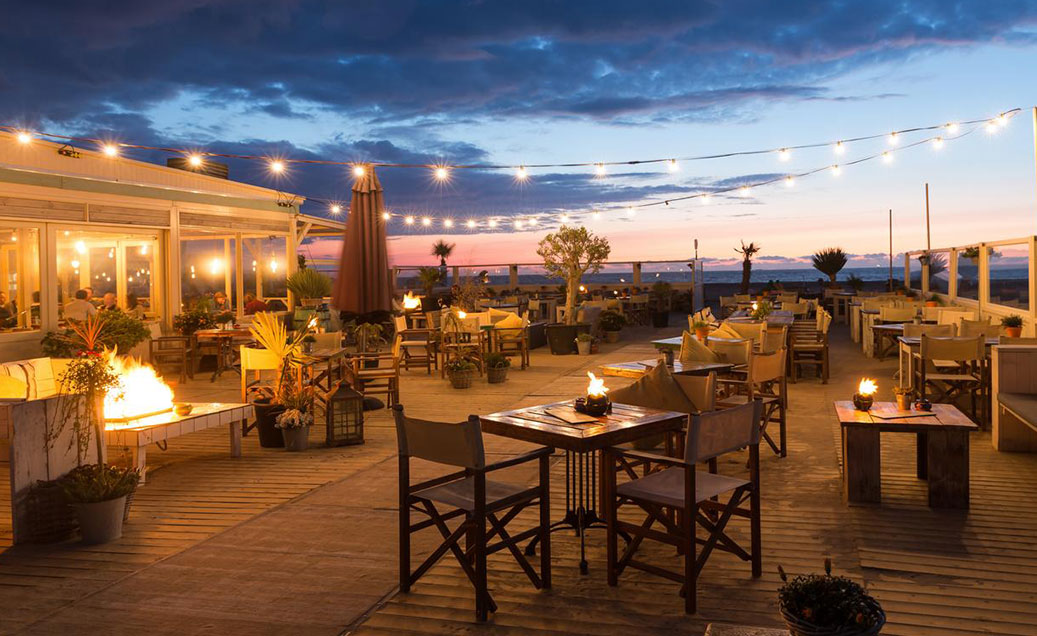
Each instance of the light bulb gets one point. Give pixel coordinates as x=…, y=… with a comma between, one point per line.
x=409, y=220
x=1002, y=120
x=359, y=171
x=110, y=150
x=195, y=161
x=887, y=157
x=705, y=199
x=386, y=216
x=600, y=170
x=470, y=224
x=277, y=167
x=992, y=126
x=80, y=247
x=521, y=174
x=952, y=128
x=789, y=181
x=836, y=170
x=532, y=221
x=518, y=224
x=448, y=223
x=672, y=165
x=336, y=209
x=745, y=191
x=784, y=154
x=937, y=142
x=24, y=137
x=273, y=265
x=893, y=139
x=564, y=218
x=441, y=174
x=597, y=215
x=426, y=221
x=493, y=223
x=839, y=148
x=631, y=211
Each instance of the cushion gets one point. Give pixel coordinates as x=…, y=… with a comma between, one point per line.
x=1022, y=405
x=655, y=389
x=45, y=384
x=509, y=321
x=726, y=331
x=694, y=351
x=496, y=315
x=12, y=388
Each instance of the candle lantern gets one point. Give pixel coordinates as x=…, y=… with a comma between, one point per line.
x=344, y=415
x=865, y=395
x=597, y=401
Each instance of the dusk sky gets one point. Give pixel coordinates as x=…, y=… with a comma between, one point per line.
x=557, y=82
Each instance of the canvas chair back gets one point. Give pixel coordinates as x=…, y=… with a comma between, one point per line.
x=766, y=367
x=258, y=360
x=774, y=339
x=328, y=340
x=731, y=350
x=796, y=308
x=700, y=389
x=824, y=321
x=433, y=319
x=447, y=443
x=957, y=349
x=728, y=301
x=718, y=432
x=873, y=303
x=912, y=330
x=953, y=315
x=787, y=297
x=705, y=315
x=751, y=330
x=978, y=328
x=400, y=322
x=896, y=314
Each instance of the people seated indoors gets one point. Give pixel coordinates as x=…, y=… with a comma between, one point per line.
x=220, y=303
x=133, y=306
x=109, y=302
x=253, y=304
x=8, y=312
x=90, y=296
x=80, y=308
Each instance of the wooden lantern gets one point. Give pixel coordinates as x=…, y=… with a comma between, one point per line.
x=345, y=417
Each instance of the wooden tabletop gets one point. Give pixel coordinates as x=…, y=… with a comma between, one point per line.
x=327, y=353
x=625, y=424
x=669, y=343
x=640, y=367
x=237, y=332
x=945, y=416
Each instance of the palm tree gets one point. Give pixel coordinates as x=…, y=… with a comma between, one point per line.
x=747, y=252
x=442, y=249
x=830, y=261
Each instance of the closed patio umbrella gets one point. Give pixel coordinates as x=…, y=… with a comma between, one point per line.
x=363, y=283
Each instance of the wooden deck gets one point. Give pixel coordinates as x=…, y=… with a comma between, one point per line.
x=279, y=543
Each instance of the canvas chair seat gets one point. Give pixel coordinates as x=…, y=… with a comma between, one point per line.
x=666, y=487
x=739, y=399
x=461, y=493
x=952, y=377
x=417, y=344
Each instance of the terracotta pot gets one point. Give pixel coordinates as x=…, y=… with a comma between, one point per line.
x=611, y=336
x=702, y=333
x=931, y=303
x=1013, y=332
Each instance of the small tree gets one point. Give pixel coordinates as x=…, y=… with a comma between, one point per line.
x=830, y=261
x=443, y=250
x=570, y=253
x=429, y=277
x=747, y=252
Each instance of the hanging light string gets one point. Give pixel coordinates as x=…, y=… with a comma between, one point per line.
x=745, y=189
x=441, y=170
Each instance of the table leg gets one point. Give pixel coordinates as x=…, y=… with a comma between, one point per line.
x=235, y=437
x=922, y=456
x=948, y=469
x=139, y=460
x=861, y=465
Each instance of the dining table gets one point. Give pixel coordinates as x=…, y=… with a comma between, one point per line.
x=324, y=370
x=224, y=340
x=583, y=438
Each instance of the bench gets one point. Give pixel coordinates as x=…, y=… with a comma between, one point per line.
x=1014, y=392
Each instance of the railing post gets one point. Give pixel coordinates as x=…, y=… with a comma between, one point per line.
x=637, y=274
x=513, y=279
x=455, y=275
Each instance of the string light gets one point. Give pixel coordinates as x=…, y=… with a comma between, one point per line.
x=518, y=224
x=110, y=150
x=336, y=209
x=24, y=137
x=631, y=211
x=887, y=157
x=992, y=126
x=893, y=139
x=789, y=181
x=521, y=174
x=409, y=220
x=745, y=191
x=952, y=128
x=426, y=221
x=276, y=166
x=359, y=171
x=470, y=224
x=492, y=223
x=705, y=198
x=1002, y=120
x=386, y=216
x=836, y=170
x=597, y=215
x=600, y=169
x=784, y=154
x=839, y=148
x=441, y=173
x=937, y=142
x=672, y=165
x=532, y=221
x=448, y=223
x=564, y=218
x=194, y=160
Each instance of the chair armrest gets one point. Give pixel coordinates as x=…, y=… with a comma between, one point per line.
x=649, y=457
x=520, y=459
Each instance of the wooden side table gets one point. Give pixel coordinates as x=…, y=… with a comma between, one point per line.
x=942, y=451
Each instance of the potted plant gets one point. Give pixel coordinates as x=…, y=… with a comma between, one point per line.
x=830, y=261
x=934, y=301
x=309, y=285
x=569, y=253
x=662, y=293
x=1013, y=325
x=98, y=494
x=497, y=367
x=761, y=310
x=826, y=605
x=117, y=331
x=701, y=328
x=193, y=320
x=296, y=417
x=583, y=343
x=269, y=331
x=428, y=278
x=904, y=396
x=611, y=323
x=460, y=371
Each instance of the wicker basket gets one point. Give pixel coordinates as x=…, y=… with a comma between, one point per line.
x=460, y=379
x=51, y=518
x=496, y=375
x=798, y=627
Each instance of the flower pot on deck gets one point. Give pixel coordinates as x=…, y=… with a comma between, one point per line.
x=583, y=347
x=101, y=522
x=702, y=333
x=496, y=375
x=1013, y=332
x=460, y=379
x=266, y=423
x=296, y=439
x=561, y=338
x=801, y=627
x=611, y=337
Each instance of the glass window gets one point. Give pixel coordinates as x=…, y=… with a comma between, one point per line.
x=264, y=268
x=108, y=267
x=207, y=272
x=19, y=278
x=914, y=266
x=968, y=273
x=1010, y=276
x=939, y=273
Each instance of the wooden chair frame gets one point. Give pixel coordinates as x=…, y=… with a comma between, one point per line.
x=160, y=354
x=774, y=394
x=473, y=526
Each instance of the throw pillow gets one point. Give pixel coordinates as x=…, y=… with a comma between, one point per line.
x=655, y=389
x=694, y=351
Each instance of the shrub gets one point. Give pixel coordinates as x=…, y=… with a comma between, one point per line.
x=94, y=483
x=497, y=361
x=828, y=602
x=612, y=320
x=191, y=321
x=1015, y=320
x=309, y=283
x=459, y=365
x=117, y=331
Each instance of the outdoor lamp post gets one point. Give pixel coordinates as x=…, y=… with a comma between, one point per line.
x=345, y=417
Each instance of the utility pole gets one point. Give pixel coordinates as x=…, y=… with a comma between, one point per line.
x=928, y=241
x=891, y=250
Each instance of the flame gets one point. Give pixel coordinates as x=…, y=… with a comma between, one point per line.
x=755, y=306
x=140, y=392
x=596, y=387
x=410, y=301
x=462, y=315
x=867, y=387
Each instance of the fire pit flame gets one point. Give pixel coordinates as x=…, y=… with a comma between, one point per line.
x=141, y=393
